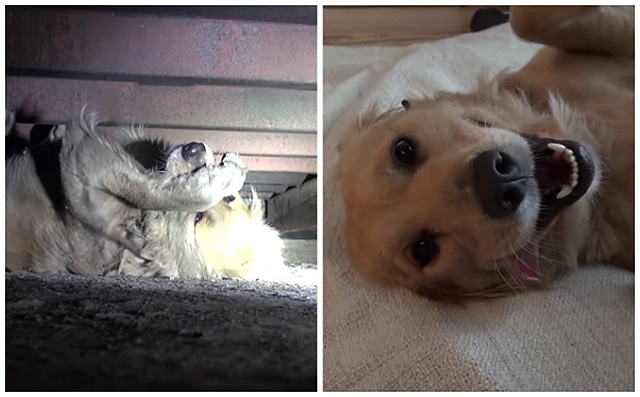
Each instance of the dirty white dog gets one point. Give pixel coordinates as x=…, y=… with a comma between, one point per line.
x=88, y=202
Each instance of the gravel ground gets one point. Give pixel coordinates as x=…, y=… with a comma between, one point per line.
x=67, y=332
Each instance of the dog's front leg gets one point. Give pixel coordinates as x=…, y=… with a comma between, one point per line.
x=192, y=192
x=104, y=186
x=199, y=190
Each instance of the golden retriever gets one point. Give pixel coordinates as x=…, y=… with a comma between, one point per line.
x=468, y=196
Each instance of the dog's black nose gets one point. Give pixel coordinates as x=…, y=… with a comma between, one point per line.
x=192, y=149
x=499, y=183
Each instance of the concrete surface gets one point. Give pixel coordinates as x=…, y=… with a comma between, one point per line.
x=67, y=332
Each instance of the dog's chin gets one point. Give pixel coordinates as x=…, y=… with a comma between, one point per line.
x=564, y=171
x=182, y=167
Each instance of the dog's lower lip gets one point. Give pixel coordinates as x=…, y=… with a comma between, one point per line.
x=199, y=168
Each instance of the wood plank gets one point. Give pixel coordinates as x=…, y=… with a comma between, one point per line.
x=261, y=195
x=137, y=47
x=281, y=161
x=259, y=188
x=394, y=25
x=274, y=178
x=296, y=209
x=256, y=143
x=278, y=163
x=243, y=142
x=212, y=107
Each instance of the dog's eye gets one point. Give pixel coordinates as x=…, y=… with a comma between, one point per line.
x=404, y=152
x=199, y=217
x=481, y=123
x=424, y=251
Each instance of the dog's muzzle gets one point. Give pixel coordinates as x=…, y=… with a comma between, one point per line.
x=562, y=172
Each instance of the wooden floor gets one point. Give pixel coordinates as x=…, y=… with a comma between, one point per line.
x=394, y=25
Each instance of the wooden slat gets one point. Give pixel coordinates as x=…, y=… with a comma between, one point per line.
x=212, y=107
x=291, y=164
x=243, y=142
x=274, y=178
x=261, y=195
x=240, y=86
x=296, y=209
x=257, y=143
x=278, y=162
x=136, y=47
x=265, y=188
x=394, y=25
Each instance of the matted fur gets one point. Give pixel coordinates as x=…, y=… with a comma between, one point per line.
x=585, y=96
x=89, y=202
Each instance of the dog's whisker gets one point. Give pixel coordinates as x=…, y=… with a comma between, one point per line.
x=505, y=279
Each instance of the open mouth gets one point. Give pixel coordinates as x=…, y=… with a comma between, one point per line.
x=564, y=170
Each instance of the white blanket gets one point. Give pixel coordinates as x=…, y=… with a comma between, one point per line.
x=578, y=335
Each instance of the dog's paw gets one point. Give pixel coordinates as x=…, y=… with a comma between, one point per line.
x=215, y=182
x=234, y=170
x=232, y=159
x=58, y=132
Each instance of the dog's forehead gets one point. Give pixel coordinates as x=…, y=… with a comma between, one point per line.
x=425, y=118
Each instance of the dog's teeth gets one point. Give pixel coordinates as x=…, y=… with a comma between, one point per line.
x=556, y=147
x=566, y=190
x=568, y=156
x=574, y=174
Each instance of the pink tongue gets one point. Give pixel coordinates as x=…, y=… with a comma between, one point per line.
x=526, y=263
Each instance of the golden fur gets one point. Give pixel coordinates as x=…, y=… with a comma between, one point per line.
x=580, y=87
x=235, y=242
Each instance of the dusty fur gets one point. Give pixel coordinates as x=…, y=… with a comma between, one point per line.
x=91, y=202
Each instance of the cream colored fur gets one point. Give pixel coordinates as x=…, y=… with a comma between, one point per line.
x=235, y=242
x=580, y=87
